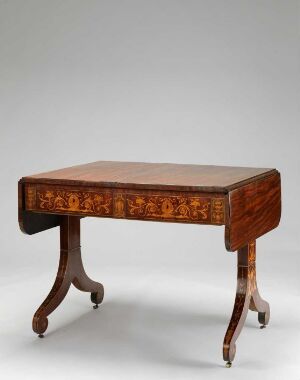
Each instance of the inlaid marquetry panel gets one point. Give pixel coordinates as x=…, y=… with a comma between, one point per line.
x=73, y=201
x=122, y=203
x=169, y=207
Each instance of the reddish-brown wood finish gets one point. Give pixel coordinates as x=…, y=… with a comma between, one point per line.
x=153, y=176
x=246, y=200
x=32, y=222
x=247, y=296
x=255, y=209
x=70, y=271
x=183, y=207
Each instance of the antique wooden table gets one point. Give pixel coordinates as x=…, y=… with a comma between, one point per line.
x=246, y=200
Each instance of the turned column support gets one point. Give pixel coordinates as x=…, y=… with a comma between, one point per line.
x=247, y=297
x=70, y=271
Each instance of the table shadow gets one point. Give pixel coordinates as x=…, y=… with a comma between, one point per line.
x=132, y=331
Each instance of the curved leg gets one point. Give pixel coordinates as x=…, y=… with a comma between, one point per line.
x=57, y=294
x=82, y=282
x=240, y=310
x=247, y=296
x=256, y=302
x=262, y=307
x=70, y=270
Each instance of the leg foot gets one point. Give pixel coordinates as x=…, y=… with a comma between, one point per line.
x=70, y=271
x=97, y=297
x=41, y=335
x=39, y=323
x=261, y=306
x=228, y=365
x=264, y=318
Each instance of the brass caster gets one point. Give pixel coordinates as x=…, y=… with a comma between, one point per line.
x=95, y=307
x=41, y=335
x=262, y=327
x=228, y=365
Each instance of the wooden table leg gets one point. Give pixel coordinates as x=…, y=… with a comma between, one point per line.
x=247, y=297
x=70, y=271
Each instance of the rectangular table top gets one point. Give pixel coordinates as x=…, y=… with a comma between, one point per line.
x=157, y=176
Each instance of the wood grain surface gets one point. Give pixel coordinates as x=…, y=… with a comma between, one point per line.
x=33, y=222
x=168, y=206
x=254, y=209
x=70, y=271
x=247, y=297
x=140, y=175
x=246, y=200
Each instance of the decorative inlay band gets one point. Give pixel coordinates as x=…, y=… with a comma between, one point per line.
x=252, y=252
x=122, y=203
x=31, y=197
x=252, y=266
x=75, y=201
x=171, y=207
x=218, y=210
x=119, y=205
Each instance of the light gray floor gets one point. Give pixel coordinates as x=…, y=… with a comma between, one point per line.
x=157, y=322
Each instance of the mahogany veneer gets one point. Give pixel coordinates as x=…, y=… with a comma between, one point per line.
x=247, y=201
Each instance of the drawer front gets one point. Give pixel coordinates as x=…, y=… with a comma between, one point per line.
x=128, y=204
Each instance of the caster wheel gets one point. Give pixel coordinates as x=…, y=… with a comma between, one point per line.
x=41, y=335
x=95, y=307
x=228, y=365
x=262, y=327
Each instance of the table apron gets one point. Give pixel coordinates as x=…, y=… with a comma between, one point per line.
x=168, y=206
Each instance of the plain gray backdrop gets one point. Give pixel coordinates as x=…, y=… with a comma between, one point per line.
x=203, y=82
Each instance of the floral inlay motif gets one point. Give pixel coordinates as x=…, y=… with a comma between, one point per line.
x=171, y=207
x=86, y=202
